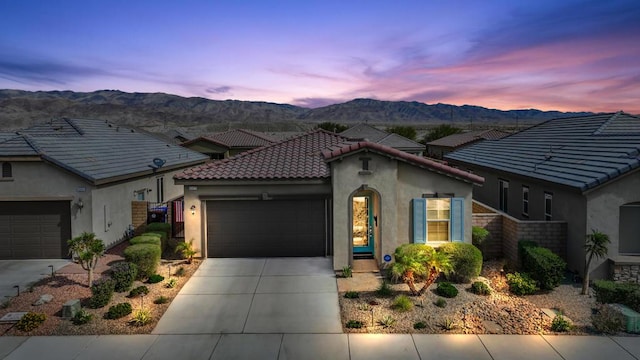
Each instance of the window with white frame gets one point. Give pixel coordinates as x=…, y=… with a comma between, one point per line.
x=525, y=200
x=548, y=205
x=504, y=195
x=438, y=219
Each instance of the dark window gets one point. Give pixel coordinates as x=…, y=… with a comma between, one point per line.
x=365, y=163
x=6, y=170
x=548, y=203
x=525, y=200
x=504, y=195
x=160, y=188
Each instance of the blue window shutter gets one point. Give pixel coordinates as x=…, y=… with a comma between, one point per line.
x=419, y=220
x=457, y=219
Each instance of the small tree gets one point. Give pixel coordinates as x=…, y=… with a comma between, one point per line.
x=415, y=262
x=407, y=131
x=87, y=249
x=596, y=246
x=186, y=250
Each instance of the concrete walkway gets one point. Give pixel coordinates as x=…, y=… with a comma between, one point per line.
x=24, y=273
x=320, y=346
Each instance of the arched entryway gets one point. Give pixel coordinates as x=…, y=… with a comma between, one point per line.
x=364, y=223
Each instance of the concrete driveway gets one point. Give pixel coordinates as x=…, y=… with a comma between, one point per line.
x=25, y=273
x=268, y=296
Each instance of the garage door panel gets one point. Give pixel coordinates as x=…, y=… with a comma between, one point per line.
x=266, y=228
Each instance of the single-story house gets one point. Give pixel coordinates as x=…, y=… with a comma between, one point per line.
x=582, y=170
x=366, y=132
x=227, y=144
x=440, y=147
x=320, y=194
x=67, y=176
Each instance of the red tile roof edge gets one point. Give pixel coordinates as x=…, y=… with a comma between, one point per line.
x=331, y=155
x=205, y=138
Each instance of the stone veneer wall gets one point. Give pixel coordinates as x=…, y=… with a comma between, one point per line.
x=625, y=273
x=139, y=216
x=506, y=231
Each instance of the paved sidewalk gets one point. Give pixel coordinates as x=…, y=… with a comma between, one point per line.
x=320, y=346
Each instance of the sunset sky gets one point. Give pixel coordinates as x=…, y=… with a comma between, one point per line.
x=546, y=54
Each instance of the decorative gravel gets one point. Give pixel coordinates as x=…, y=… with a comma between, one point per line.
x=71, y=283
x=470, y=313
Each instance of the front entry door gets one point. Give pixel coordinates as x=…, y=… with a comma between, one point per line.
x=362, y=225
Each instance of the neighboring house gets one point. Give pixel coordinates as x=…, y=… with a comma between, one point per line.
x=68, y=176
x=440, y=147
x=320, y=194
x=365, y=132
x=581, y=170
x=229, y=143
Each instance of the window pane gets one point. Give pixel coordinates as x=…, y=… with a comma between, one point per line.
x=438, y=209
x=438, y=231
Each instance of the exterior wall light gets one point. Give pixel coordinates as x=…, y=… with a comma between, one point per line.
x=193, y=209
x=80, y=204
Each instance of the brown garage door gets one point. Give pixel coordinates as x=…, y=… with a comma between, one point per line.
x=34, y=229
x=266, y=228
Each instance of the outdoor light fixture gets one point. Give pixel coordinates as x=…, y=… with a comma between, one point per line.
x=193, y=209
x=80, y=204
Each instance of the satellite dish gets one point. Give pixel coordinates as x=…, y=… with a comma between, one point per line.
x=158, y=162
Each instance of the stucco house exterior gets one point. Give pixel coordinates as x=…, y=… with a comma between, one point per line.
x=320, y=194
x=229, y=143
x=582, y=170
x=67, y=176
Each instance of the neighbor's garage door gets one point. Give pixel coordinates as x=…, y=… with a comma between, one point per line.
x=266, y=228
x=34, y=229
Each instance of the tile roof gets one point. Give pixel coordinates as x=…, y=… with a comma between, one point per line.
x=456, y=140
x=296, y=158
x=351, y=148
x=364, y=132
x=400, y=142
x=241, y=138
x=97, y=150
x=581, y=152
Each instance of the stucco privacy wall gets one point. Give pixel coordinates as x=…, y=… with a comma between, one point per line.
x=111, y=205
x=396, y=183
x=603, y=214
x=197, y=195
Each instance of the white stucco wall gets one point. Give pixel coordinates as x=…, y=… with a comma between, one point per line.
x=397, y=183
x=603, y=213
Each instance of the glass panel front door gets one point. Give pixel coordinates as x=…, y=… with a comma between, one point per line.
x=362, y=225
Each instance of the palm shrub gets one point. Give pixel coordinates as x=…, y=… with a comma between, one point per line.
x=123, y=274
x=466, y=260
x=414, y=262
x=186, y=250
x=102, y=291
x=145, y=256
x=87, y=250
x=596, y=246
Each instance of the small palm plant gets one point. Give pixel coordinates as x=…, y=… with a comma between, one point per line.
x=186, y=250
x=596, y=246
x=419, y=261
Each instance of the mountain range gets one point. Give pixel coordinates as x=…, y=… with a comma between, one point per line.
x=157, y=111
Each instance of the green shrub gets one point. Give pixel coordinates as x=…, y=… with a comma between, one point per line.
x=147, y=239
x=123, y=274
x=163, y=238
x=102, y=291
x=141, y=317
x=446, y=289
x=521, y=284
x=544, y=266
x=155, y=278
x=384, y=290
x=560, y=324
x=161, y=300
x=119, y=310
x=479, y=235
x=402, y=303
x=145, y=256
x=354, y=324
x=480, y=288
x=419, y=325
x=160, y=227
x=608, y=292
x=31, y=321
x=466, y=260
x=607, y=320
x=347, y=272
x=139, y=291
x=387, y=321
x=441, y=303
x=351, y=295
x=180, y=272
x=171, y=283
x=448, y=323
x=82, y=317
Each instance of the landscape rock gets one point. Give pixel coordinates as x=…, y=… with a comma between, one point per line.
x=46, y=298
x=70, y=308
